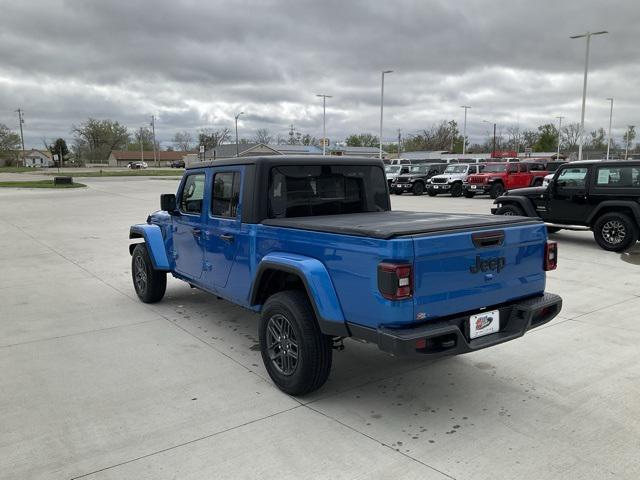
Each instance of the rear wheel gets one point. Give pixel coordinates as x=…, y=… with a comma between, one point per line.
x=615, y=232
x=149, y=284
x=418, y=188
x=537, y=182
x=510, y=210
x=497, y=189
x=296, y=354
x=469, y=194
x=456, y=189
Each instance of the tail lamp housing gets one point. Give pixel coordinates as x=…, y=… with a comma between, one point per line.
x=550, y=256
x=395, y=280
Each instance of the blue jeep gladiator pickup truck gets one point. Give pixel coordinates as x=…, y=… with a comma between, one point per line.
x=312, y=245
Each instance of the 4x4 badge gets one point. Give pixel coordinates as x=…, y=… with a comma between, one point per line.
x=488, y=264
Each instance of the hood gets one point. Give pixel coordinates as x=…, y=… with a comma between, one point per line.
x=527, y=192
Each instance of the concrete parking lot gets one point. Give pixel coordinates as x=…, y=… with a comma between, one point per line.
x=98, y=385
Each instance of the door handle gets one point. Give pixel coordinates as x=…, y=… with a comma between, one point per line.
x=196, y=232
x=227, y=237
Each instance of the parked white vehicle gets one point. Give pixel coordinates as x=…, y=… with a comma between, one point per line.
x=451, y=180
x=392, y=171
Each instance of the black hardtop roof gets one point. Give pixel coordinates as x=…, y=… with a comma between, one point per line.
x=277, y=160
x=615, y=163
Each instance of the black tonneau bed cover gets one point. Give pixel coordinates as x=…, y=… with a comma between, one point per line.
x=390, y=224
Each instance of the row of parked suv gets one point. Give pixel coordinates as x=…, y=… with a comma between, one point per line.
x=467, y=179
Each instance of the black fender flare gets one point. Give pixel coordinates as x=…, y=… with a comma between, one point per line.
x=633, y=206
x=523, y=202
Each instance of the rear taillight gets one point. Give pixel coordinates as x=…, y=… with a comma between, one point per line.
x=395, y=280
x=550, y=256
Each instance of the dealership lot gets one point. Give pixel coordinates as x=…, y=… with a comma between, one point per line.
x=97, y=385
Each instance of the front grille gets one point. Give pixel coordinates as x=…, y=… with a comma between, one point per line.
x=438, y=180
x=476, y=179
x=402, y=179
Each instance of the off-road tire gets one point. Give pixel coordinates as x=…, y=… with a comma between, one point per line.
x=537, y=182
x=314, y=349
x=510, y=210
x=418, y=188
x=469, y=194
x=497, y=189
x=149, y=284
x=615, y=226
x=431, y=192
x=456, y=189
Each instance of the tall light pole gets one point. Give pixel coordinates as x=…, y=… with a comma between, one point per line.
x=141, y=147
x=559, y=136
x=382, y=108
x=237, y=144
x=324, y=121
x=399, y=142
x=153, y=133
x=464, y=129
x=626, y=150
x=21, y=121
x=610, y=121
x=588, y=36
x=493, y=151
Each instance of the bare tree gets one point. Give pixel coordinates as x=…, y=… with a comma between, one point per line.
x=211, y=138
x=514, y=138
x=263, y=136
x=571, y=135
x=184, y=141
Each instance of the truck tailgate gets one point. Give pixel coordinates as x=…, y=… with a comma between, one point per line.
x=467, y=270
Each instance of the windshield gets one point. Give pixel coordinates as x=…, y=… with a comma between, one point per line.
x=417, y=169
x=494, y=168
x=392, y=169
x=456, y=169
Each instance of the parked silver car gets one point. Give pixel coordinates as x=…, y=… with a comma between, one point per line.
x=451, y=180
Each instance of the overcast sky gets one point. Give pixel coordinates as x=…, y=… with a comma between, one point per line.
x=197, y=63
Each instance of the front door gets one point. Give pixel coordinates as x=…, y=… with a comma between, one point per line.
x=568, y=196
x=188, y=249
x=223, y=229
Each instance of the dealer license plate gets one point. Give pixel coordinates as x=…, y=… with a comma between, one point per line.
x=473, y=187
x=484, y=323
x=435, y=187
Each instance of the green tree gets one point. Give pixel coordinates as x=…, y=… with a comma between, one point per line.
x=100, y=137
x=144, y=135
x=9, y=143
x=547, y=138
x=362, y=140
x=59, y=147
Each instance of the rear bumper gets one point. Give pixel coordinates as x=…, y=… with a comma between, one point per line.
x=451, y=336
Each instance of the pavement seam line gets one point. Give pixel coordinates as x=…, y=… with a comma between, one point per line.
x=379, y=442
x=84, y=475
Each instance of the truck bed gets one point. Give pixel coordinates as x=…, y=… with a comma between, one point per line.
x=391, y=224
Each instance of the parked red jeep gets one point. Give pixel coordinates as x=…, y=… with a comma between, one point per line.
x=497, y=178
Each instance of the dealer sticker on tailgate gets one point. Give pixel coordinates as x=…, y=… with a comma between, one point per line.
x=484, y=323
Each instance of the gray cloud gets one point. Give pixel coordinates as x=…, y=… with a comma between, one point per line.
x=196, y=64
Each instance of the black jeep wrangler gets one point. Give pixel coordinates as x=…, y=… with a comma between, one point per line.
x=416, y=180
x=602, y=196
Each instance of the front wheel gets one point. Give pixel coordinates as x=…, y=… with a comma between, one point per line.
x=149, y=284
x=615, y=232
x=497, y=189
x=431, y=192
x=296, y=354
x=456, y=190
x=510, y=210
x=469, y=194
x=418, y=188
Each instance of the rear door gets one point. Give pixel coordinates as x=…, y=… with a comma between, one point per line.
x=187, y=227
x=463, y=271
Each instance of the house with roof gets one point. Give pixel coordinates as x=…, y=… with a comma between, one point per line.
x=121, y=158
x=37, y=158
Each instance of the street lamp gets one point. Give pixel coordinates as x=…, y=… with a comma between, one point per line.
x=324, y=121
x=588, y=36
x=493, y=152
x=610, y=120
x=626, y=150
x=559, y=136
x=382, y=107
x=237, y=147
x=464, y=130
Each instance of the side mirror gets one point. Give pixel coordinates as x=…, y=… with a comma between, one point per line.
x=168, y=202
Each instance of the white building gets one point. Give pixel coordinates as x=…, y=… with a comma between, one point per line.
x=37, y=158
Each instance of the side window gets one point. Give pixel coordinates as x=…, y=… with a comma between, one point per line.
x=618, y=176
x=226, y=194
x=572, y=177
x=192, y=194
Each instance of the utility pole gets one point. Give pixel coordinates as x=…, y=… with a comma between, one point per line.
x=324, y=122
x=588, y=36
x=494, y=141
x=626, y=150
x=399, y=142
x=21, y=121
x=237, y=144
x=382, y=108
x=464, y=129
x=559, y=136
x=153, y=130
x=610, y=120
x=61, y=163
x=141, y=147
